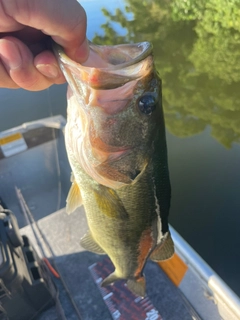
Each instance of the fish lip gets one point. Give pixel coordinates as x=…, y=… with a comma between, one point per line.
x=137, y=62
x=145, y=46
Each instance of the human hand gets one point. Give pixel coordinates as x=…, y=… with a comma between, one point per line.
x=25, y=26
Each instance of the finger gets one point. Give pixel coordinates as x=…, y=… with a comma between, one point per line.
x=19, y=64
x=7, y=23
x=5, y=80
x=63, y=20
x=47, y=65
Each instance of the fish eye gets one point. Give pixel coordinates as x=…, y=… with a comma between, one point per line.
x=147, y=104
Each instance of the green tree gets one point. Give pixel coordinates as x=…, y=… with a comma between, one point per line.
x=197, y=53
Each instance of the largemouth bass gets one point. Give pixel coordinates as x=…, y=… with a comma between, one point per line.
x=116, y=145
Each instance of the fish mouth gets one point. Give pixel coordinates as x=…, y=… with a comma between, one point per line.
x=118, y=57
x=107, y=67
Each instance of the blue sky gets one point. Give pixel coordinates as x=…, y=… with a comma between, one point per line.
x=95, y=16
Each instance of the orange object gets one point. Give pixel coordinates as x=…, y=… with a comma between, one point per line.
x=175, y=268
x=50, y=267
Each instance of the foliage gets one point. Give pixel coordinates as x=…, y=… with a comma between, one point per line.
x=197, y=53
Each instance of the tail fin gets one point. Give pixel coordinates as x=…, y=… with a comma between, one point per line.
x=137, y=286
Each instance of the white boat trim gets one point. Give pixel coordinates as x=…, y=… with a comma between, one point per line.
x=227, y=301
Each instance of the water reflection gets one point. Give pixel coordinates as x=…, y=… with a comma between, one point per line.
x=197, y=53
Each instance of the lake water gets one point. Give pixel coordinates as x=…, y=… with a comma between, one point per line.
x=197, y=55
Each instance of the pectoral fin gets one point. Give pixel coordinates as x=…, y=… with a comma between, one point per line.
x=109, y=203
x=164, y=250
x=74, y=198
x=88, y=243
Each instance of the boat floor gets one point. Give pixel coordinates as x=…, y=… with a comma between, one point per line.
x=63, y=233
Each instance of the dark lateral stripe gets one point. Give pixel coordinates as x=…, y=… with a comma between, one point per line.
x=37, y=137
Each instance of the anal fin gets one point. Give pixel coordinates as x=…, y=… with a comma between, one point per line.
x=74, y=198
x=164, y=250
x=88, y=243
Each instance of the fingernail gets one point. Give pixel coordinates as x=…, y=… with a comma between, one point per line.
x=82, y=52
x=10, y=55
x=48, y=70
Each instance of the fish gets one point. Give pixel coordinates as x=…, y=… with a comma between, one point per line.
x=116, y=145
